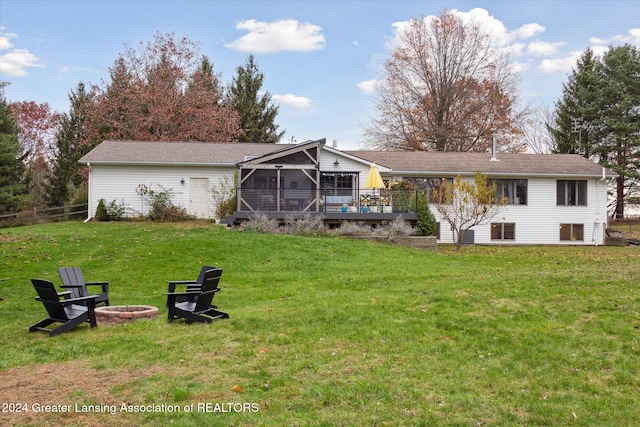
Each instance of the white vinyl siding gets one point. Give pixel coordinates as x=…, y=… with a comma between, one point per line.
x=539, y=220
x=119, y=183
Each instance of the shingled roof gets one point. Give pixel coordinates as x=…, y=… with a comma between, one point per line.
x=454, y=163
x=175, y=153
x=449, y=163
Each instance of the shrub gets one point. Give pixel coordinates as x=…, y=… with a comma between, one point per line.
x=349, y=228
x=260, y=223
x=397, y=227
x=224, y=196
x=305, y=224
x=426, y=224
x=112, y=211
x=101, y=211
x=162, y=209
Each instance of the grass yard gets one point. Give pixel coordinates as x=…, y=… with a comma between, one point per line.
x=324, y=331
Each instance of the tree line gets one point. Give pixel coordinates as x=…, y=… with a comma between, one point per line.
x=444, y=87
x=162, y=90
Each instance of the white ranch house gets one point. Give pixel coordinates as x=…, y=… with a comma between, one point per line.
x=553, y=199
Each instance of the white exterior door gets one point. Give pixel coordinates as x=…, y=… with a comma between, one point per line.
x=199, y=197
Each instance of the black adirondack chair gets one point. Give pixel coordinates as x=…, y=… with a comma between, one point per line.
x=70, y=312
x=200, y=309
x=73, y=281
x=191, y=285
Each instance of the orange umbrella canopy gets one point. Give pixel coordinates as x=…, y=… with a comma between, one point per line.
x=374, y=180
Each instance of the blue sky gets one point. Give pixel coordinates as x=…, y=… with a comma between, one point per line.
x=320, y=58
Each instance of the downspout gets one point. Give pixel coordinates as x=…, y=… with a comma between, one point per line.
x=594, y=236
x=89, y=193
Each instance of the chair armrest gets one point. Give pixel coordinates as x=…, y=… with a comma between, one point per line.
x=70, y=300
x=174, y=283
x=79, y=299
x=96, y=283
x=104, y=285
x=183, y=293
x=64, y=294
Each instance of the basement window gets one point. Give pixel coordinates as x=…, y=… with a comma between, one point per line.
x=572, y=232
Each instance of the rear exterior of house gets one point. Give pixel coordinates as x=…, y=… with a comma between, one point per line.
x=553, y=199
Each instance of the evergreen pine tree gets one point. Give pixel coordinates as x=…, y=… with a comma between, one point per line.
x=71, y=144
x=599, y=115
x=257, y=112
x=13, y=186
x=571, y=130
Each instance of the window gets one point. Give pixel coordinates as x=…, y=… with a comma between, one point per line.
x=433, y=187
x=573, y=232
x=503, y=231
x=514, y=190
x=337, y=183
x=571, y=193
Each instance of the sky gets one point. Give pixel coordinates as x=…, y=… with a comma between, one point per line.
x=321, y=59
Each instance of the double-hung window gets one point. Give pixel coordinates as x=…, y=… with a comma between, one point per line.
x=571, y=192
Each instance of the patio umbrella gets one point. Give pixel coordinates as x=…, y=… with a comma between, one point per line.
x=374, y=180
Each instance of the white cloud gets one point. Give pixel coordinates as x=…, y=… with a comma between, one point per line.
x=635, y=36
x=540, y=48
x=632, y=38
x=503, y=38
x=283, y=35
x=500, y=33
x=293, y=101
x=5, y=39
x=367, y=86
x=565, y=64
x=15, y=62
x=528, y=30
x=597, y=40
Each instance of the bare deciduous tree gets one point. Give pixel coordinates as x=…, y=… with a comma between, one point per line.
x=444, y=88
x=467, y=204
x=535, y=131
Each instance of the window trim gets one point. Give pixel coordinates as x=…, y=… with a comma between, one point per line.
x=564, y=190
x=572, y=232
x=502, y=231
x=516, y=183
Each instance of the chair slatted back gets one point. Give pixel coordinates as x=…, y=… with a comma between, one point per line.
x=203, y=271
x=209, y=288
x=73, y=276
x=49, y=297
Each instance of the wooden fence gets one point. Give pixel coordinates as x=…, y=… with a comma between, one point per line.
x=39, y=215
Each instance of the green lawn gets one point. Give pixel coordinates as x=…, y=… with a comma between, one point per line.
x=326, y=331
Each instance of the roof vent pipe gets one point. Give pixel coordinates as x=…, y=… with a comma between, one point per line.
x=335, y=143
x=493, y=149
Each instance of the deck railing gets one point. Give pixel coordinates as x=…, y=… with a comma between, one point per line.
x=333, y=200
